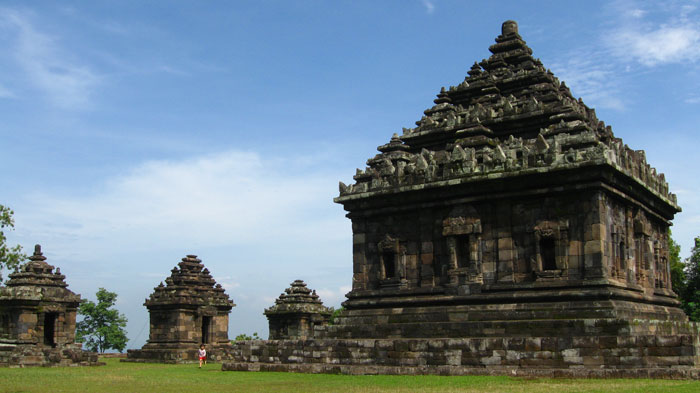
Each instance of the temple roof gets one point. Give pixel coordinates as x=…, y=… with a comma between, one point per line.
x=37, y=280
x=190, y=283
x=509, y=116
x=298, y=299
x=37, y=272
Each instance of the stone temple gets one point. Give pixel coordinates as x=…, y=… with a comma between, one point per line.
x=508, y=232
x=296, y=312
x=189, y=310
x=37, y=318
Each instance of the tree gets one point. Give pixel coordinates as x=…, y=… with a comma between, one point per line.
x=691, y=292
x=677, y=266
x=102, y=327
x=245, y=337
x=335, y=314
x=10, y=257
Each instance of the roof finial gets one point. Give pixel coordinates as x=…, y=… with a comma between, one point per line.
x=38, y=256
x=508, y=27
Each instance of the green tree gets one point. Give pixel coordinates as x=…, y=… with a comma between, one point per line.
x=335, y=314
x=10, y=257
x=677, y=266
x=245, y=337
x=691, y=292
x=102, y=326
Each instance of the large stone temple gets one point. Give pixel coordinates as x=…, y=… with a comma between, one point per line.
x=508, y=232
x=189, y=310
x=37, y=318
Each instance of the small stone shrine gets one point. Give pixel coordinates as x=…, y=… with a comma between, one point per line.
x=296, y=312
x=189, y=310
x=37, y=318
x=508, y=232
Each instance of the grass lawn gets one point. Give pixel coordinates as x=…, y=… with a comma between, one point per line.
x=151, y=377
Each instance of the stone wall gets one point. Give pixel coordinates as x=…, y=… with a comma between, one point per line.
x=19, y=355
x=502, y=249
x=662, y=356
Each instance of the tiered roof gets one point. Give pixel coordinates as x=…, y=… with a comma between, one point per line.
x=37, y=280
x=298, y=299
x=510, y=116
x=189, y=284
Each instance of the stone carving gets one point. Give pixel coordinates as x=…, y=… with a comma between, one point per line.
x=37, y=318
x=189, y=310
x=296, y=312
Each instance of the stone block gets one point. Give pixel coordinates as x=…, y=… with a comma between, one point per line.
x=593, y=247
x=505, y=243
x=668, y=341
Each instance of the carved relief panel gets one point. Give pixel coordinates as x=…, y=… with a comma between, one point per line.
x=619, y=253
x=643, y=250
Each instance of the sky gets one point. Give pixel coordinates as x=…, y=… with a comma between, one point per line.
x=134, y=133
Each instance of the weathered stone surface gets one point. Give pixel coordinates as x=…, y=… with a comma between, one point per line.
x=512, y=223
x=189, y=310
x=296, y=312
x=37, y=318
x=467, y=356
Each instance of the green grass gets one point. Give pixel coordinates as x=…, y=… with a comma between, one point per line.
x=151, y=377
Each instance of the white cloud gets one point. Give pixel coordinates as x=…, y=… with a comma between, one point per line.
x=227, y=282
x=636, y=13
x=588, y=78
x=663, y=45
x=67, y=83
x=429, y=6
x=693, y=99
x=171, y=70
x=671, y=34
x=211, y=200
x=269, y=300
x=333, y=297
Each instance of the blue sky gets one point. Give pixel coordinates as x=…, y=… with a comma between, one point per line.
x=134, y=133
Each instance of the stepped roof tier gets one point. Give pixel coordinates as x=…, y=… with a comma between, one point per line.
x=298, y=299
x=38, y=280
x=509, y=117
x=189, y=283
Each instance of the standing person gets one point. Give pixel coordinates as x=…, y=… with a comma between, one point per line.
x=202, y=355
